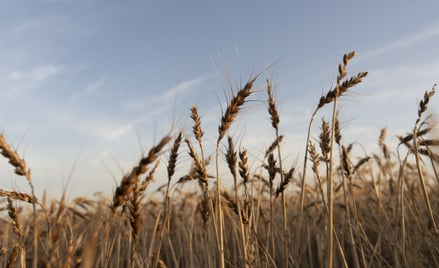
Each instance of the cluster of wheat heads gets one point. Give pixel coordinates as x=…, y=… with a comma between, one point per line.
x=378, y=209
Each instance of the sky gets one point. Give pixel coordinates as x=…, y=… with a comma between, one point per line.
x=88, y=86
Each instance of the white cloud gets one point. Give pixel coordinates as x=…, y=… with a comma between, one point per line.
x=95, y=86
x=178, y=90
x=407, y=41
x=17, y=75
x=105, y=130
x=184, y=86
x=44, y=72
x=403, y=82
x=90, y=88
x=30, y=25
x=40, y=73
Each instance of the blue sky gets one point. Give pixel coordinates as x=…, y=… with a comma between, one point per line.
x=86, y=86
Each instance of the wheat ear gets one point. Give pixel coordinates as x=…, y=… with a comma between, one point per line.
x=126, y=185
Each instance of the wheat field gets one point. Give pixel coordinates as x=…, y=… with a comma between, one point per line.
x=332, y=209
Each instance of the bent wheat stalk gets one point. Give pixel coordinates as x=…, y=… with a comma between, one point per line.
x=22, y=170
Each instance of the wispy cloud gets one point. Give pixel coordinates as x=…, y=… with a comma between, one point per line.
x=104, y=130
x=426, y=34
x=30, y=25
x=110, y=126
x=403, y=82
x=39, y=73
x=90, y=88
x=184, y=87
x=167, y=96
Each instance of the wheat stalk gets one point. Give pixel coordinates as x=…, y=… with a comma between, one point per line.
x=275, y=121
x=422, y=108
x=227, y=119
x=21, y=169
x=18, y=230
x=331, y=97
x=128, y=181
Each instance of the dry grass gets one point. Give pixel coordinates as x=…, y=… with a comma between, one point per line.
x=374, y=210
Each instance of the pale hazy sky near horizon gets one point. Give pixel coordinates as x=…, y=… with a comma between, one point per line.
x=86, y=85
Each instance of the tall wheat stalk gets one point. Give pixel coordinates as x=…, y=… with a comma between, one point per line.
x=166, y=205
x=331, y=97
x=275, y=120
x=422, y=108
x=227, y=119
